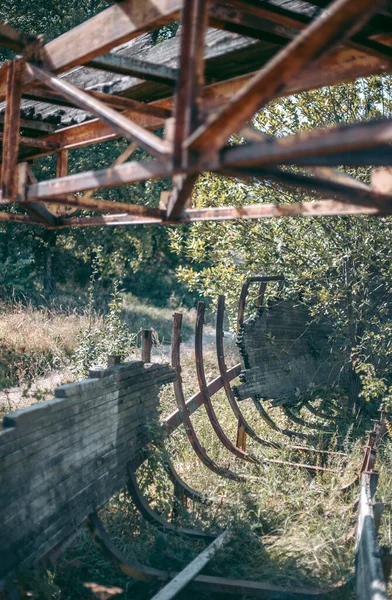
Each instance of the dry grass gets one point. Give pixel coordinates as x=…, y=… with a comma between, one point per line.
x=290, y=528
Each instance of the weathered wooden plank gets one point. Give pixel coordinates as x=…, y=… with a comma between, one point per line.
x=13, y=39
x=40, y=94
x=182, y=579
x=130, y=172
x=343, y=19
x=27, y=425
x=75, y=469
x=116, y=63
x=120, y=124
x=53, y=438
x=33, y=142
x=253, y=211
x=63, y=473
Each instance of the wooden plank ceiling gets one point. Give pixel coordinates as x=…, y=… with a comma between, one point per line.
x=106, y=79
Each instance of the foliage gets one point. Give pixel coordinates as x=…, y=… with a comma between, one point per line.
x=108, y=338
x=138, y=255
x=341, y=266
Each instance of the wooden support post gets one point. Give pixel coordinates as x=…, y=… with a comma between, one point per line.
x=179, y=499
x=146, y=345
x=241, y=436
x=188, y=98
x=62, y=163
x=11, y=129
x=113, y=360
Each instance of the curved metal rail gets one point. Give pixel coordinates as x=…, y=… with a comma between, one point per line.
x=205, y=583
x=205, y=393
x=182, y=488
x=234, y=405
x=226, y=383
x=295, y=419
x=153, y=517
x=319, y=413
x=271, y=423
x=180, y=399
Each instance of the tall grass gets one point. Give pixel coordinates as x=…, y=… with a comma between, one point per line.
x=291, y=528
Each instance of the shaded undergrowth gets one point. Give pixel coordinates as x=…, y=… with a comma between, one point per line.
x=290, y=528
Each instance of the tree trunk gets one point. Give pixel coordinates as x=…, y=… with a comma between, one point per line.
x=49, y=262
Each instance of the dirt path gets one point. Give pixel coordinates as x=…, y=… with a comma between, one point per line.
x=42, y=388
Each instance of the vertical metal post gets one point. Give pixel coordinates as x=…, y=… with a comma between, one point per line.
x=146, y=345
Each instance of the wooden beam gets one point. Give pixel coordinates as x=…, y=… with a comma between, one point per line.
x=222, y=213
x=40, y=94
x=18, y=218
x=353, y=194
x=286, y=23
x=33, y=142
x=13, y=39
x=130, y=172
x=116, y=25
x=319, y=142
x=343, y=19
x=124, y=65
x=188, y=98
x=251, y=134
x=32, y=125
x=11, y=129
x=118, y=122
x=181, y=580
x=98, y=205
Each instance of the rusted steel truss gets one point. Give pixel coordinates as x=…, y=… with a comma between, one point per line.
x=349, y=40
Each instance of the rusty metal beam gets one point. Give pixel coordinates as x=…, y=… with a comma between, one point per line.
x=344, y=18
x=120, y=124
x=181, y=404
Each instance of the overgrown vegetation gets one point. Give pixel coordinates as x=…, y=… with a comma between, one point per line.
x=340, y=266
x=290, y=528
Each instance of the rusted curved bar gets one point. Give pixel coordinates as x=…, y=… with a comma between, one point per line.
x=267, y=419
x=185, y=489
x=241, y=305
x=226, y=383
x=204, y=390
x=244, y=293
x=290, y=415
x=205, y=583
x=234, y=405
x=319, y=413
x=180, y=399
x=152, y=517
x=128, y=566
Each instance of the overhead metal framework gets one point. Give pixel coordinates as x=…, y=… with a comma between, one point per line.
x=228, y=60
